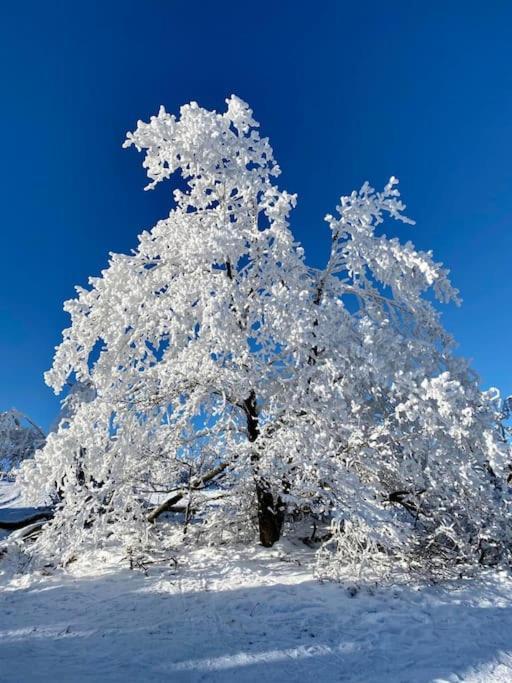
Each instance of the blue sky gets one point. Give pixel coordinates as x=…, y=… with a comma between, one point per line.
x=346, y=91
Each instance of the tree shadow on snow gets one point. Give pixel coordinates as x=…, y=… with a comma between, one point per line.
x=125, y=627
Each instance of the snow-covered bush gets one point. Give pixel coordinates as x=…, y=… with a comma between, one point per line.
x=19, y=439
x=217, y=359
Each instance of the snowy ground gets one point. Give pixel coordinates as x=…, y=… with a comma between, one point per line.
x=249, y=616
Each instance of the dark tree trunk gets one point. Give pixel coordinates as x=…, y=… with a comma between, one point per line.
x=270, y=516
x=270, y=511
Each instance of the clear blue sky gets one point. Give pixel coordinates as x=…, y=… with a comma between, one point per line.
x=347, y=91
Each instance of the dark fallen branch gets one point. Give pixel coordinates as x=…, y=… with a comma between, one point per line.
x=179, y=508
x=400, y=497
x=170, y=503
x=28, y=532
x=143, y=563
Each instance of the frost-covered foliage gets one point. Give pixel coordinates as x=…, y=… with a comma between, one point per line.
x=218, y=362
x=19, y=439
x=79, y=392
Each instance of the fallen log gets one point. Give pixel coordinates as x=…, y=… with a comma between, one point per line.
x=28, y=531
x=198, y=483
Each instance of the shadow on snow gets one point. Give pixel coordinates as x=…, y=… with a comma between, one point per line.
x=124, y=626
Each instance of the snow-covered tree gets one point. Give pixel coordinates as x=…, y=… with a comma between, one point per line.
x=19, y=439
x=218, y=359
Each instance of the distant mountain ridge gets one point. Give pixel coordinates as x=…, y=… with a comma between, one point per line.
x=20, y=437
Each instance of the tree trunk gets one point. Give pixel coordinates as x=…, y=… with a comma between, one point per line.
x=270, y=516
x=270, y=511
